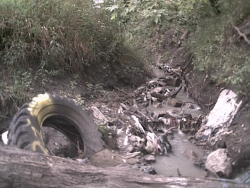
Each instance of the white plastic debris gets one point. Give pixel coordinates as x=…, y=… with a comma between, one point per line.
x=125, y=143
x=128, y=130
x=137, y=124
x=120, y=110
x=5, y=137
x=119, y=131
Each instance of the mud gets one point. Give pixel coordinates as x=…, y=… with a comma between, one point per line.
x=177, y=160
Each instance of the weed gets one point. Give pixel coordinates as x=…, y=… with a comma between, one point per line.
x=79, y=100
x=73, y=84
x=67, y=37
x=22, y=81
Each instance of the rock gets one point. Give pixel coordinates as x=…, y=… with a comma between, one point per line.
x=132, y=161
x=219, y=163
x=190, y=154
x=150, y=159
x=106, y=158
x=98, y=114
x=130, y=149
x=174, y=102
x=217, y=141
x=157, y=90
x=200, y=162
x=191, y=106
x=133, y=138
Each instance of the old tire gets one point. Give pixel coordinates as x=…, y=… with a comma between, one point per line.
x=25, y=130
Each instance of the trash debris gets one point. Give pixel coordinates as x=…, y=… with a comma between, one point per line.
x=5, y=137
x=153, y=114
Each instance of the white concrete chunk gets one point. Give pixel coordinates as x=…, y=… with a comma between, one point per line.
x=224, y=110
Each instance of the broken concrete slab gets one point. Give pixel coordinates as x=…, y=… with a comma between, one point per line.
x=221, y=116
x=224, y=110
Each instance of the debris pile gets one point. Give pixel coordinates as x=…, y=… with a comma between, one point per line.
x=159, y=108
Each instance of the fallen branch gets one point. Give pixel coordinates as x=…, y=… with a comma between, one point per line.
x=4, y=117
x=174, y=93
x=242, y=34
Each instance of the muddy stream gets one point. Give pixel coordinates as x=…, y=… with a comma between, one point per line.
x=177, y=159
x=168, y=165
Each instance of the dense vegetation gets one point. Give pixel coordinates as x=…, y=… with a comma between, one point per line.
x=51, y=38
x=213, y=39
x=73, y=36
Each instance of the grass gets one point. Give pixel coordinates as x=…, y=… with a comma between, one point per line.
x=69, y=36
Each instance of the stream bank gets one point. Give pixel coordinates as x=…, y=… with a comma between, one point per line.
x=139, y=112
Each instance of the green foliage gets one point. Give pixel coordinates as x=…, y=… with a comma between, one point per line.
x=138, y=18
x=58, y=36
x=152, y=11
x=212, y=37
x=22, y=81
x=215, y=45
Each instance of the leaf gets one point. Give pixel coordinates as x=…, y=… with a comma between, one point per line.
x=114, y=16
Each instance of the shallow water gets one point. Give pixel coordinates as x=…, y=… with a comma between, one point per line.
x=167, y=165
x=185, y=109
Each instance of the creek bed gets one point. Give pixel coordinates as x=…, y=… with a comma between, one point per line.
x=168, y=165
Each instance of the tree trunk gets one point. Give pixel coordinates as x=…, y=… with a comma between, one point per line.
x=21, y=168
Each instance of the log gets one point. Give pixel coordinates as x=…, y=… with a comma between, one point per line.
x=21, y=168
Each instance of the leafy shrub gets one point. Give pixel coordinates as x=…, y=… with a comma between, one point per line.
x=216, y=44
x=212, y=38
x=59, y=36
